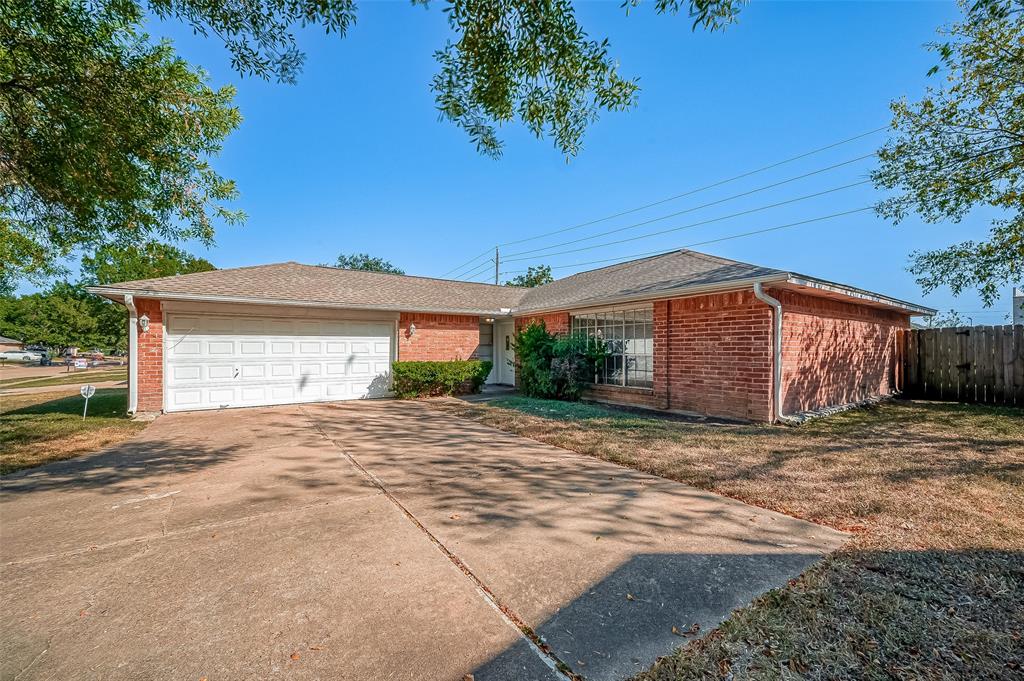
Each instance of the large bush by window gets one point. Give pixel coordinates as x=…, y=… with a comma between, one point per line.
x=628, y=338
x=424, y=379
x=552, y=366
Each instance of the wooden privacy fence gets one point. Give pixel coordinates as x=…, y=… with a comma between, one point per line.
x=966, y=363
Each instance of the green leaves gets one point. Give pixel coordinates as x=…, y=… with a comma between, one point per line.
x=534, y=276
x=557, y=367
x=104, y=136
x=526, y=59
x=424, y=379
x=258, y=33
x=149, y=260
x=962, y=147
x=367, y=263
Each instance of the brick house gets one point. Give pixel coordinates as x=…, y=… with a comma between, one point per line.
x=689, y=332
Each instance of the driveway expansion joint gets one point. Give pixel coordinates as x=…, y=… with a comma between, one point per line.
x=541, y=649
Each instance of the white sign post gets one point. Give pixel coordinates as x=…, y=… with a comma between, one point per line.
x=87, y=392
x=82, y=363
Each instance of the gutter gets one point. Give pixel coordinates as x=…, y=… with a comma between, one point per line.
x=108, y=292
x=133, y=353
x=684, y=292
x=776, y=348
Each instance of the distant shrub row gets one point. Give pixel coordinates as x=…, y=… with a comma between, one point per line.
x=424, y=379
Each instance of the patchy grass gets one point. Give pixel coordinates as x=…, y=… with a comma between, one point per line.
x=69, y=378
x=930, y=586
x=45, y=427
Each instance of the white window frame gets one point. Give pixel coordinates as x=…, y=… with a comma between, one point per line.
x=624, y=324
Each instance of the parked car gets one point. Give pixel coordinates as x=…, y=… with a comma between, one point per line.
x=21, y=356
x=95, y=354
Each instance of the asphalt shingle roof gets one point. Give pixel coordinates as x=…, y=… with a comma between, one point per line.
x=670, y=274
x=657, y=275
x=310, y=284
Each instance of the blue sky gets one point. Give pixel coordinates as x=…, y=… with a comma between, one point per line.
x=354, y=159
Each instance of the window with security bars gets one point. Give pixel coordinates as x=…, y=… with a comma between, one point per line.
x=629, y=338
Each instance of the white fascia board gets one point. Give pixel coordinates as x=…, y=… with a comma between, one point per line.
x=115, y=293
x=861, y=294
x=651, y=296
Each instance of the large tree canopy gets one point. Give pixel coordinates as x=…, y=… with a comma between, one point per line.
x=367, y=263
x=534, y=276
x=111, y=264
x=962, y=147
x=104, y=136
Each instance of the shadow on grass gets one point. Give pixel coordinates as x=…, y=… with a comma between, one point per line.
x=106, y=403
x=918, y=439
x=936, y=614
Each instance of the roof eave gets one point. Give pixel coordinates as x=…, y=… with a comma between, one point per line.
x=685, y=292
x=860, y=294
x=117, y=295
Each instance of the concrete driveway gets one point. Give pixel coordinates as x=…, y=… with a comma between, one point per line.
x=370, y=540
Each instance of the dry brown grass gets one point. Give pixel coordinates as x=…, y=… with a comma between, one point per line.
x=932, y=584
x=40, y=428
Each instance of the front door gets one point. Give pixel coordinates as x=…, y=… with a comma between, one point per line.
x=504, y=337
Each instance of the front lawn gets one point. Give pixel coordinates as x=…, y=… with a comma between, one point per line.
x=44, y=427
x=930, y=586
x=68, y=378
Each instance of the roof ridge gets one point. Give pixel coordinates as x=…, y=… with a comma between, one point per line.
x=717, y=258
x=407, y=276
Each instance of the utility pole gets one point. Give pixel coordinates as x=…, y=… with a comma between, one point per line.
x=496, y=261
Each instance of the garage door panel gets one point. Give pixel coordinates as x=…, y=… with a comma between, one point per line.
x=220, y=347
x=222, y=361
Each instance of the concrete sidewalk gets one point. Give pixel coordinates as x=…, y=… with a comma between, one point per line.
x=366, y=540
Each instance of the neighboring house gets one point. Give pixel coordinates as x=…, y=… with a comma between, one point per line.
x=10, y=344
x=691, y=333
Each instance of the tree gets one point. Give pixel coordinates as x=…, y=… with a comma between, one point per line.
x=111, y=264
x=943, y=319
x=962, y=147
x=366, y=263
x=58, y=318
x=534, y=276
x=104, y=136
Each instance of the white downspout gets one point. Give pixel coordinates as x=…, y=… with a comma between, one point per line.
x=133, y=353
x=776, y=347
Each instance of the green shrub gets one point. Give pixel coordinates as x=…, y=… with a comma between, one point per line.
x=423, y=379
x=557, y=367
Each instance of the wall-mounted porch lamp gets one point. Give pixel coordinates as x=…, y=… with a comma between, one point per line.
x=144, y=322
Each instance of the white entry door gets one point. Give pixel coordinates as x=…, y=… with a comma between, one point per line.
x=213, y=362
x=504, y=337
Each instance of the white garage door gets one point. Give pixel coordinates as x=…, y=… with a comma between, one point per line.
x=213, y=362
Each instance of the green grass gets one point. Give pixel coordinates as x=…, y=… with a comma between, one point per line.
x=69, y=378
x=41, y=428
x=931, y=584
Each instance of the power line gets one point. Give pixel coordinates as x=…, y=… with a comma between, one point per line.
x=689, y=226
x=475, y=271
x=471, y=260
x=696, y=208
x=703, y=243
x=699, y=189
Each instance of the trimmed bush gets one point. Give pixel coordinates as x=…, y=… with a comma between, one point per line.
x=557, y=367
x=425, y=379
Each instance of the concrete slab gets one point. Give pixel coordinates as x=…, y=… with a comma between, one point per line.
x=247, y=544
x=601, y=561
x=351, y=591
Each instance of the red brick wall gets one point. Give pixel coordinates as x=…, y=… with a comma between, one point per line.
x=713, y=355
x=438, y=337
x=834, y=352
x=556, y=322
x=151, y=357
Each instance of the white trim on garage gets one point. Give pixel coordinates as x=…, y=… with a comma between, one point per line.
x=223, y=356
